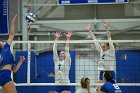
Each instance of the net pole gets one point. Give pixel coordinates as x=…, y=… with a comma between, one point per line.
x=28, y=66
x=11, y=48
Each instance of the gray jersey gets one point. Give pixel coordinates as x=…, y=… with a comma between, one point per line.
x=83, y=90
x=61, y=67
x=62, y=72
x=107, y=58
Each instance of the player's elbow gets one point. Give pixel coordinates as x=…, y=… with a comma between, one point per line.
x=12, y=33
x=14, y=70
x=10, y=39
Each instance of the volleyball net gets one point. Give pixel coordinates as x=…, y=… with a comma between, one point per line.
x=38, y=67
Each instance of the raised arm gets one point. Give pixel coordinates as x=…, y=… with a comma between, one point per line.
x=12, y=30
x=15, y=69
x=97, y=45
x=106, y=26
x=67, y=54
x=55, y=55
x=90, y=28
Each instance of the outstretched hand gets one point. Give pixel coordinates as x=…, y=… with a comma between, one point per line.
x=12, y=30
x=14, y=19
x=58, y=35
x=98, y=88
x=68, y=35
x=89, y=27
x=22, y=58
x=106, y=24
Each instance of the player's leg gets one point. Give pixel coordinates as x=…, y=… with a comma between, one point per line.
x=7, y=83
x=58, y=89
x=101, y=76
x=9, y=87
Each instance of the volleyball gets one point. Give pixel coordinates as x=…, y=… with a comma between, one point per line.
x=30, y=17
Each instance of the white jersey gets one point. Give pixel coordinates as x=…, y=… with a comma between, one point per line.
x=107, y=58
x=62, y=67
x=84, y=90
x=62, y=72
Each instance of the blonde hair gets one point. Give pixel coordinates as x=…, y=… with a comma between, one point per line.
x=85, y=83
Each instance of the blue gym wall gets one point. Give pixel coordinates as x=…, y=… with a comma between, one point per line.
x=42, y=71
x=128, y=70
x=42, y=65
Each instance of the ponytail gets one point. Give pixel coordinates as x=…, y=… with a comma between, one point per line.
x=112, y=81
x=85, y=84
x=88, y=88
x=108, y=76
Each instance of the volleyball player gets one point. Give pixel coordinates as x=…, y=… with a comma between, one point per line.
x=109, y=86
x=107, y=52
x=62, y=64
x=7, y=62
x=85, y=86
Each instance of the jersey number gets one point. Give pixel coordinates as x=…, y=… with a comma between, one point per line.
x=103, y=57
x=59, y=66
x=116, y=86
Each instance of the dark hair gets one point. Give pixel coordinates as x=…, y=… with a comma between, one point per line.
x=85, y=83
x=108, y=76
x=107, y=44
x=62, y=51
x=116, y=45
